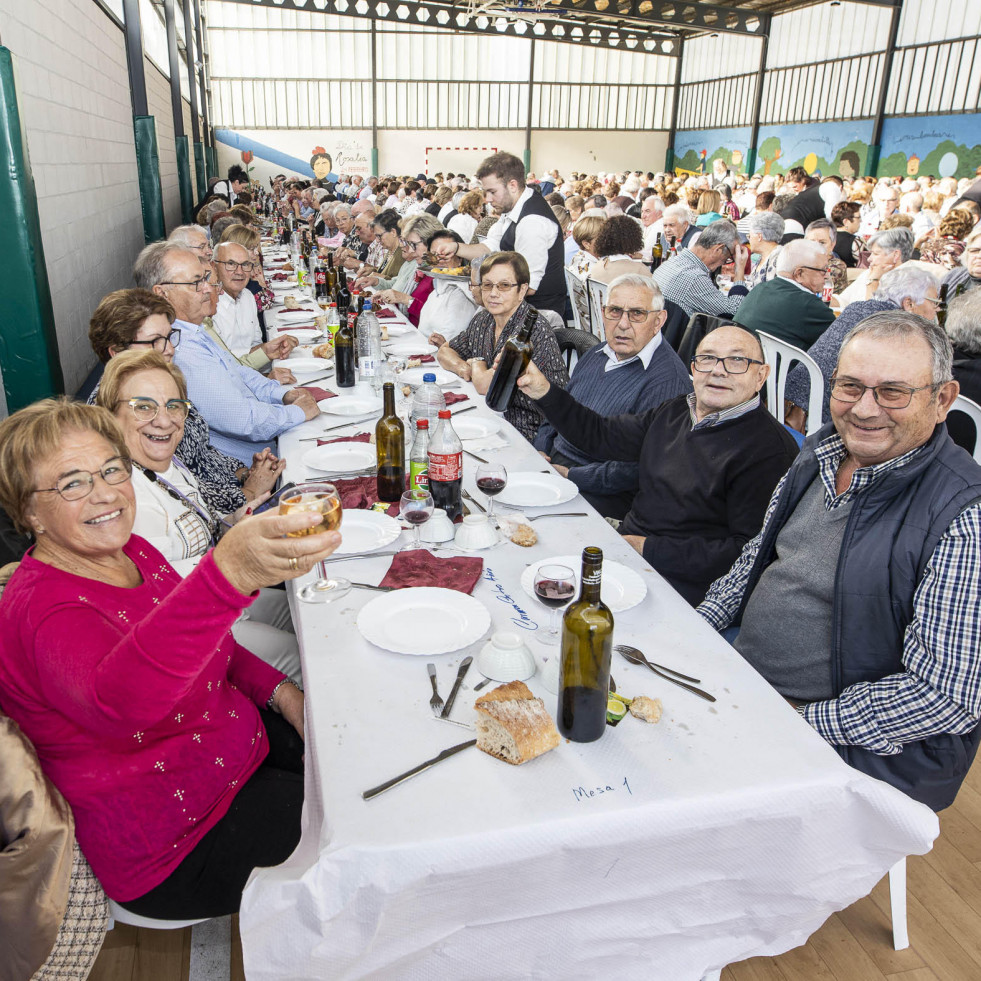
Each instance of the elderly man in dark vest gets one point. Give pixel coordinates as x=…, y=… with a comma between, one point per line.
x=526, y=225
x=859, y=599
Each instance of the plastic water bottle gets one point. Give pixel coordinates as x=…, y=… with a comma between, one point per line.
x=369, y=345
x=427, y=402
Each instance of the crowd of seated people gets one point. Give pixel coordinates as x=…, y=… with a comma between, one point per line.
x=129, y=550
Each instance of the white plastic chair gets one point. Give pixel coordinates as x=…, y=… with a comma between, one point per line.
x=780, y=356
x=597, y=300
x=973, y=411
x=579, y=298
x=118, y=914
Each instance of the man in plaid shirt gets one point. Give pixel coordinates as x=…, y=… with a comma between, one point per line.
x=859, y=600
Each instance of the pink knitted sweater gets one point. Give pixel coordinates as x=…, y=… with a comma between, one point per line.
x=141, y=706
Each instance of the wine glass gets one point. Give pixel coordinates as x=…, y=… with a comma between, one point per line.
x=555, y=585
x=323, y=498
x=416, y=507
x=492, y=478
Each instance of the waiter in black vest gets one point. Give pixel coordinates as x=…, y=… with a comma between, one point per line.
x=526, y=225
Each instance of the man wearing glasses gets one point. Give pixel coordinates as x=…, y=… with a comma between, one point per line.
x=858, y=601
x=789, y=306
x=707, y=461
x=244, y=410
x=635, y=370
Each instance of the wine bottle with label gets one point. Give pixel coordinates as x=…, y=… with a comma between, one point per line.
x=514, y=359
x=390, y=449
x=344, y=358
x=587, y=643
x=942, y=305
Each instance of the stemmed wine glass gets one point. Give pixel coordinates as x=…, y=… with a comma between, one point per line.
x=416, y=507
x=492, y=478
x=555, y=586
x=323, y=498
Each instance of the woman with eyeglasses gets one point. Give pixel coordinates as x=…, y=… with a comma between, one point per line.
x=148, y=397
x=140, y=320
x=178, y=750
x=504, y=279
x=417, y=230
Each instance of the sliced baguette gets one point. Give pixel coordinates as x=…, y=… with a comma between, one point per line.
x=513, y=725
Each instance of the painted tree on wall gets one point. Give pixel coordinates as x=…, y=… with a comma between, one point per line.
x=770, y=152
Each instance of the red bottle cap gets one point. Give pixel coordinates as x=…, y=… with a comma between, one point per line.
x=444, y=414
x=422, y=424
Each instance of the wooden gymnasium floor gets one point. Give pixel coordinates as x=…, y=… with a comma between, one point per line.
x=944, y=899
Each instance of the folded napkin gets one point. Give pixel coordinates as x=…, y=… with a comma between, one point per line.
x=359, y=438
x=299, y=310
x=422, y=358
x=361, y=493
x=385, y=314
x=453, y=397
x=319, y=394
x=419, y=567
x=279, y=277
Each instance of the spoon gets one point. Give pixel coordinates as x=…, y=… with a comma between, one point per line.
x=636, y=657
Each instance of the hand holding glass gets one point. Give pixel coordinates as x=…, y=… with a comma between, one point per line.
x=324, y=499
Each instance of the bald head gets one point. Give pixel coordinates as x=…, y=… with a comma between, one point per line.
x=723, y=384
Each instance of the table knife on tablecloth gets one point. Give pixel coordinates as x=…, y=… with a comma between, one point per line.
x=395, y=781
x=461, y=671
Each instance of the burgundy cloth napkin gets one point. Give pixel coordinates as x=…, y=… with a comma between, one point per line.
x=279, y=277
x=359, y=438
x=385, y=314
x=420, y=567
x=319, y=394
x=299, y=310
x=361, y=493
x=453, y=397
x=421, y=358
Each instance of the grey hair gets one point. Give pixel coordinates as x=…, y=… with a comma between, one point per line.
x=799, y=252
x=678, y=211
x=905, y=281
x=184, y=235
x=720, y=232
x=644, y=283
x=340, y=209
x=972, y=237
x=964, y=322
x=218, y=228
x=898, y=323
x=825, y=223
x=767, y=224
x=458, y=197
x=895, y=238
x=150, y=268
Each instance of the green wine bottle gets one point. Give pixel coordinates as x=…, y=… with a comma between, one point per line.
x=587, y=642
x=390, y=449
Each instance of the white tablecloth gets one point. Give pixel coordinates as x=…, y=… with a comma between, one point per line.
x=724, y=832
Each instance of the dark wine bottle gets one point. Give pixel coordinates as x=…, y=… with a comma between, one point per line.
x=587, y=642
x=331, y=274
x=390, y=449
x=344, y=359
x=657, y=254
x=942, y=305
x=514, y=359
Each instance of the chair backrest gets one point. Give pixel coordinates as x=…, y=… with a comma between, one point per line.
x=972, y=410
x=573, y=343
x=780, y=356
x=675, y=324
x=579, y=299
x=597, y=300
x=699, y=324
x=554, y=319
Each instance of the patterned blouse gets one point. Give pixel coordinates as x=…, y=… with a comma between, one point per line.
x=477, y=341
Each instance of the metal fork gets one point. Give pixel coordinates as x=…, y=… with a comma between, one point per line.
x=626, y=649
x=435, y=703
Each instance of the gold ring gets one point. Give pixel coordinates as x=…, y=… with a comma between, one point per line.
x=294, y=563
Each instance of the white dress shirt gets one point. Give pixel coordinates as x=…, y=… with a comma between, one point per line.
x=533, y=238
x=463, y=225
x=644, y=355
x=237, y=320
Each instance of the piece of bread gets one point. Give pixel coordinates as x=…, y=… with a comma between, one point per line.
x=513, y=725
x=291, y=303
x=323, y=351
x=648, y=709
x=524, y=535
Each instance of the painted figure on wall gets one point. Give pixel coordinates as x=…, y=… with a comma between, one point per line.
x=321, y=163
x=849, y=164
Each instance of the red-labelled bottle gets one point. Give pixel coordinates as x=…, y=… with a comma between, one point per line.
x=446, y=467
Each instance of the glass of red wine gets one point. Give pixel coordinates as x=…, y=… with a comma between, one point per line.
x=416, y=507
x=492, y=478
x=555, y=586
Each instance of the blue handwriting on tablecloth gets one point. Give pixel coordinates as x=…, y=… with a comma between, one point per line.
x=500, y=593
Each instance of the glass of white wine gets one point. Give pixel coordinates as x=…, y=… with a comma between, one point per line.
x=320, y=497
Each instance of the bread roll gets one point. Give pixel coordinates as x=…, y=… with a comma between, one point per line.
x=323, y=351
x=648, y=709
x=513, y=725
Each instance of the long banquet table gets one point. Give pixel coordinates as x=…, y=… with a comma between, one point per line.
x=666, y=851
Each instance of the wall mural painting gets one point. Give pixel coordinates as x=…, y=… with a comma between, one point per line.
x=941, y=146
x=820, y=148
x=696, y=150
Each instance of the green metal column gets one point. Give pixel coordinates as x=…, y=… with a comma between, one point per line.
x=199, y=171
x=29, y=358
x=184, y=178
x=675, y=103
x=212, y=160
x=148, y=174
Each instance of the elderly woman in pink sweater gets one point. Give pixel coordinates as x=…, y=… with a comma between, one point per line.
x=178, y=750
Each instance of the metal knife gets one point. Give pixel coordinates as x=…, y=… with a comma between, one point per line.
x=395, y=781
x=467, y=409
x=479, y=459
x=367, y=585
x=310, y=381
x=461, y=671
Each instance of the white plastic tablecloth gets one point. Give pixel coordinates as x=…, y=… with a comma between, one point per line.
x=726, y=831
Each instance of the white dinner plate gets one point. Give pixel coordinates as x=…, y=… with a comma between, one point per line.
x=413, y=376
x=394, y=328
x=622, y=588
x=537, y=490
x=423, y=620
x=364, y=531
x=406, y=348
x=304, y=333
x=350, y=405
x=476, y=427
x=307, y=366
x=340, y=457
x=309, y=311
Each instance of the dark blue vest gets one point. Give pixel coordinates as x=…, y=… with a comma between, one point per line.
x=891, y=534
x=551, y=294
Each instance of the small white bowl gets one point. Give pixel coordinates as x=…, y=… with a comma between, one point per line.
x=438, y=528
x=505, y=658
x=476, y=533
x=550, y=672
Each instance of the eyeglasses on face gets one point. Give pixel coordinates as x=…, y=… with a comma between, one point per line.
x=410, y=245
x=734, y=364
x=233, y=266
x=200, y=285
x=488, y=288
x=823, y=269
x=159, y=343
x=888, y=396
x=634, y=314
x=78, y=484
x=146, y=409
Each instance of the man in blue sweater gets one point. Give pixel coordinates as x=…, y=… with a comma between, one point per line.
x=708, y=461
x=635, y=370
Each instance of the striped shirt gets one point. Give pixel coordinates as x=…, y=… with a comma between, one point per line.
x=940, y=690
x=685, y=280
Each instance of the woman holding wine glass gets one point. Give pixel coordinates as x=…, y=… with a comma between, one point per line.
x=504, y=281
